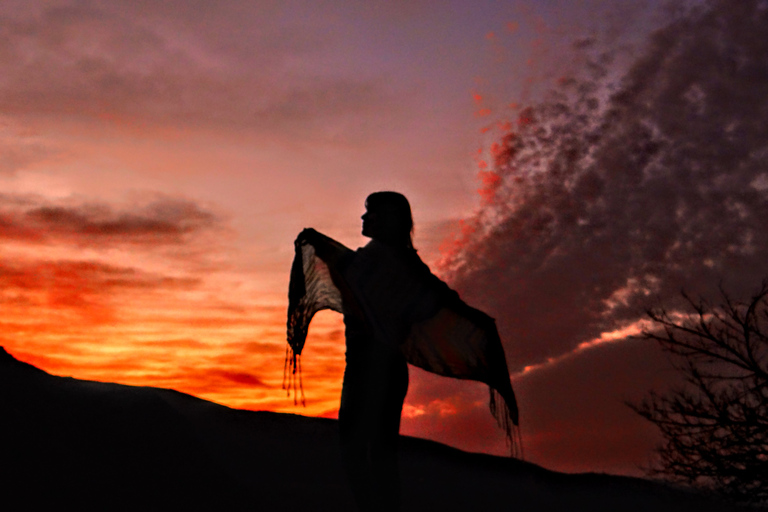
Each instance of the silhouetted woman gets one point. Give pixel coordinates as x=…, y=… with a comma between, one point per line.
x=395, y=311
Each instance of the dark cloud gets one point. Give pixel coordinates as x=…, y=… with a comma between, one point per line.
x=164, y=221
x=607, y=197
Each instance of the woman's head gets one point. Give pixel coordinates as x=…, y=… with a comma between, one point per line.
x=388, y=219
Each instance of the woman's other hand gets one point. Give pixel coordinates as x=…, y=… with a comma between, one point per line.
x=307, y=236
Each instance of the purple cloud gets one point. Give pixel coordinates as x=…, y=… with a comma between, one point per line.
x=233, y=66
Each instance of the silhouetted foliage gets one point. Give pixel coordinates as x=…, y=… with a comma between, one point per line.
x=716, y=426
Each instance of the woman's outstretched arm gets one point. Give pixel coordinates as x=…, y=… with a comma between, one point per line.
x=327, y=249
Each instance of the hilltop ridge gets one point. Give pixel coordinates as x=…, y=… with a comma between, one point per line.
x=105, y=446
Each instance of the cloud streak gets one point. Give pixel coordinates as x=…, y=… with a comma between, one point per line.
x=88, y=289
x=163, y=221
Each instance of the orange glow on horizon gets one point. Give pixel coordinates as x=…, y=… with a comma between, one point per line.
x=106, y=323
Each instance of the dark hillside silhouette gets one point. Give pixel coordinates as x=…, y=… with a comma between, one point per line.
x=101, y=446
x=84, y=445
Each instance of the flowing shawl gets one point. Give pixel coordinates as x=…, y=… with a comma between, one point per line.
x=406, y=307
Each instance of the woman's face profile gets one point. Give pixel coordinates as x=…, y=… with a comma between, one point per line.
x=379, y=222
x=370, y=223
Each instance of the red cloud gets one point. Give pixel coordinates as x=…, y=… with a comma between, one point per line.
x=83, y=286
x=216, y=376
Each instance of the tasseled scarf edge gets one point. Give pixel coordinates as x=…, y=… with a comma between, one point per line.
x=291, y=382
x=511, y=426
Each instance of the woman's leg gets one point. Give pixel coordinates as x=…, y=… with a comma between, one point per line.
x=353, y=436
x=369, y=425
x=384, y=447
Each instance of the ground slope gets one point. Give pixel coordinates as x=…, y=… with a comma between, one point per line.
x=68, y=443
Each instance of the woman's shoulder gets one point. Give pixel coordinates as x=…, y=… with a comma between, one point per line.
x=377, y=249
x=404, y=261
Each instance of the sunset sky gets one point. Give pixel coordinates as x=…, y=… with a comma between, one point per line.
x=157, y=160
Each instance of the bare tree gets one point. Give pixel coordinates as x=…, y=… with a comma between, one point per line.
x=715, y=427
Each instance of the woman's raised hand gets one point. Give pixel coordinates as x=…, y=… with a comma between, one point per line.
x=307, y=235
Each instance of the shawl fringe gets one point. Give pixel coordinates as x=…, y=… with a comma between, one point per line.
x=507, y=421
x=291, y=382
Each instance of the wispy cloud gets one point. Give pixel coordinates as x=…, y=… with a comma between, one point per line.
x=20, y=147
x=135, y=63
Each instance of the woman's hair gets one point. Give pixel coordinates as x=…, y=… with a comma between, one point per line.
x=400, y=221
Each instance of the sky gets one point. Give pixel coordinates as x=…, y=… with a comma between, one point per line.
x=569, y=164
